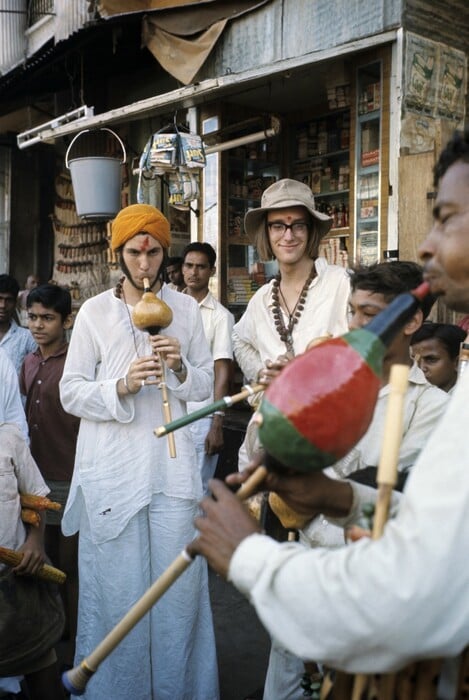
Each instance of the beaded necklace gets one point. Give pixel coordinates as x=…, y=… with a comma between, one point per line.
x=286, y=332
x=119, y=293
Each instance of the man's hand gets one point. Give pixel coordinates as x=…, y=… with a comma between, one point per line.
x=313, y=493
x=225, y=524
x=307, y=494
x=273, y=368
x=214, y=439
x=34, y=555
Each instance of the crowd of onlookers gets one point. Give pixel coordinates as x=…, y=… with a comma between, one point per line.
x=104, y=378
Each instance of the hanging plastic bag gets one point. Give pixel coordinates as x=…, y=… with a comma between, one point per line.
x=172, y=151
x=192, y=152
x=183, y=187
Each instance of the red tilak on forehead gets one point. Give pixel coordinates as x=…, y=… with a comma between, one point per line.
x=145, y=243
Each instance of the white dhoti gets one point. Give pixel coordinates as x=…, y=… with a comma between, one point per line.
x=170, y=654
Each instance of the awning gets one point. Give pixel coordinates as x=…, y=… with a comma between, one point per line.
x=110, y=8
x=205, y=91
x=179, y=35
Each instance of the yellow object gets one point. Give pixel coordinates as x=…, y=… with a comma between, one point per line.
x=46, y=572
x=151, y=312
x=290, y=519
x=140, y=218
x=30, y=516
x=28, y=500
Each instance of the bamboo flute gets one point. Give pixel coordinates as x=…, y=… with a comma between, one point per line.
x=152, y=314
x=76, y=679
x=387, y=473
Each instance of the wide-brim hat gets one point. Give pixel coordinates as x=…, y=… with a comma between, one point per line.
x=281, y=195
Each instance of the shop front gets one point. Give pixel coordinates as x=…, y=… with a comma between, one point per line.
x=326, y=123
x=357, y=107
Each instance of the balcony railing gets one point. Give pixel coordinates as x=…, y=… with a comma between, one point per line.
x=37, y=9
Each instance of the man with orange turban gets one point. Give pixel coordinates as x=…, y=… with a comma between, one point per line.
x=137, y=218
x=133, y=504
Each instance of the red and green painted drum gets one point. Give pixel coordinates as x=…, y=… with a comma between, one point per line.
x=322, y=402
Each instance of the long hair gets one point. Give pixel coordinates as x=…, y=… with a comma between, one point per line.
x=264, y=250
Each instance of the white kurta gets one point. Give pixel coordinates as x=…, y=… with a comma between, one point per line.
x=255, y=338
x=11, y=407
x=424, y=406
x=19, y=473
x=376, y=606
x=134, y=505
x=218, y=326
x=119, y=461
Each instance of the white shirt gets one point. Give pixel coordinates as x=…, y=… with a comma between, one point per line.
x=255, y=338
x=218, y=326
x=11, y=407
x=119, y=461
x=378, y=605
x=17, y=343
x=18, y=474
x=424, y=405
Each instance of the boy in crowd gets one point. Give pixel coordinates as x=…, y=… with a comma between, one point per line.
x=435, y=347
x=15, y=340
x=31, y=614
x=53, y=432
x=198, y=266
x=174, y=274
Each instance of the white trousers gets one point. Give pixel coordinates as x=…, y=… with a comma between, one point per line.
x=170, y=654
x=207, y=463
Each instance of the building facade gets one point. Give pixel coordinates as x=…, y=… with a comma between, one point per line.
x=354, y=98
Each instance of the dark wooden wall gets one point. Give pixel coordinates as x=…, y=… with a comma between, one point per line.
x=441, y=20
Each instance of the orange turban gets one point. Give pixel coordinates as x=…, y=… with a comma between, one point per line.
x=138, y=218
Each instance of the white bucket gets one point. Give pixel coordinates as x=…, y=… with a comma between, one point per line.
x=97, y=183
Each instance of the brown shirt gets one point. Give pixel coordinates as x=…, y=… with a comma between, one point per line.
x=53, y=432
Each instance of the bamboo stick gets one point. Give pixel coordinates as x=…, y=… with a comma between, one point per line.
x=77, y=678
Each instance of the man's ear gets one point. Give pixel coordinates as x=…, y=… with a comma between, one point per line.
x=68, y=322
x=214, y=269
x=414, y=323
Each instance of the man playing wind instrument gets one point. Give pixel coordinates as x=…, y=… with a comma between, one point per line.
x=132, y=503
x=380, y=604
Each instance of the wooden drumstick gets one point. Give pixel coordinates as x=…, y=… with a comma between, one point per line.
x=387, y=469
x=152, y=314
x=76, y=679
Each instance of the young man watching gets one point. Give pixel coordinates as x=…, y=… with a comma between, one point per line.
x=53, y=432
x=435, y=347
x=174, y=274
x=198, y=267
x=344, y=607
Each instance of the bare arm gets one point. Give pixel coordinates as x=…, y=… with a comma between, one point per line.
x=214, y=439
x=34, y=555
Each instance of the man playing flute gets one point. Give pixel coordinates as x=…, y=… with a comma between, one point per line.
x=133, y=504
x=377, y=605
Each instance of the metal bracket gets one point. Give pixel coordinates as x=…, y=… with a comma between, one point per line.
x=32, y=136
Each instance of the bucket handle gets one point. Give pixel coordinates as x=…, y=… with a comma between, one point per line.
x=104, y=128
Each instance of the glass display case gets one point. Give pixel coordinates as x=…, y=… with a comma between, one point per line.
x=367, y=242
x=251, y=169
x=321, y=153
